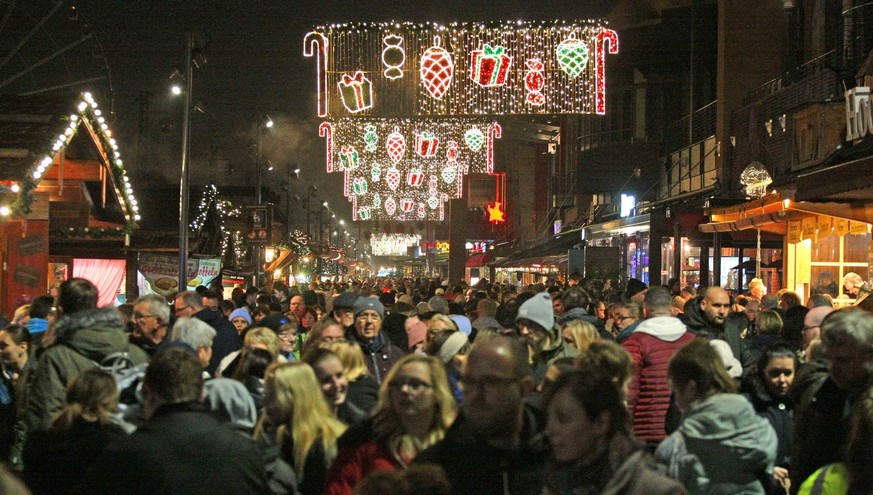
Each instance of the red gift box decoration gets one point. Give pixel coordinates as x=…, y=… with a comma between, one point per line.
x=426, y=144
x=406, y=205
x=415, y=177
x=356, y=92
x=489, y=66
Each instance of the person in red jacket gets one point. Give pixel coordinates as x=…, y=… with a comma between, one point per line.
x=651, y=346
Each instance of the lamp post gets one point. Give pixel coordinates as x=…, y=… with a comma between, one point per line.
x=186, y=149
x=264, y=123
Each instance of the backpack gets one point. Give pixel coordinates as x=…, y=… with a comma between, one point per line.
x=127, y=374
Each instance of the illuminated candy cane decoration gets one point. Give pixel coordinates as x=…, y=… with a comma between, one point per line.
x=325, y=130
x=354, y=200
x=603, y=37
x=494, y=132
x=315, y=44
x=443, y=199
x=346, y=184
x=460, y=192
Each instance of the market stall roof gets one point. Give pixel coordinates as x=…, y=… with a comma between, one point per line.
x=845, y=178
x=773, y=212
x=47, y=140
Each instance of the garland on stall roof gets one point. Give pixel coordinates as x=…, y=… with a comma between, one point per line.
x=88, y=114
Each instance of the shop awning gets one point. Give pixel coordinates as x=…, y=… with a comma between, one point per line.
x=772, y=214
x=286, y=256
x=554, y=261
x=618, y=226
x=480, y=259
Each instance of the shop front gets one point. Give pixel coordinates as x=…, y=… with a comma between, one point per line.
x=626, y=240
x=821, y=242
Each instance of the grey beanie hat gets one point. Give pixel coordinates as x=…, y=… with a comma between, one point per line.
x=538, y=309
x=369, y=303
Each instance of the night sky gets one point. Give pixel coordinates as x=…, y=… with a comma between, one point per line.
x=254, y=67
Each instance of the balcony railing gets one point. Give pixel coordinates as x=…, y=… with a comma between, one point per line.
x=702, y=123
x=814, y=67
x=611, y=136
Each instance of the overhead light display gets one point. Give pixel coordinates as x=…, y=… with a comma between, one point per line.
x=405, y=169
x=393, y=244
x=461, y=69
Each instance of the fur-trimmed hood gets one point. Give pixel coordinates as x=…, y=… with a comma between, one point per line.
x=94, y=333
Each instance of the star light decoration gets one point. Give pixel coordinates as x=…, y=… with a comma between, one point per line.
x=393, y=244
x=87, y=115
x=406, y=169
x=463, y=69
x=495, y=212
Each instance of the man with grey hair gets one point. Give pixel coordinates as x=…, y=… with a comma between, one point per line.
x=196, y=334
x=822, y=417
x=151, y=318
x=652, y=345
x=190, y=304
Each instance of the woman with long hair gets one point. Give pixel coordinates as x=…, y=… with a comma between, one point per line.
x=579, y=334
x=299, y=420
x=721, y=445
x=363, y=388
x=593, y=449
x=767, y=390
x=56, y=460
x=331, y=377
x=415, y=410
x=325, y=331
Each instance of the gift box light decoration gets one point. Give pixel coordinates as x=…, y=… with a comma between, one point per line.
x=393, y=244
x=417, y=180
x=86, y=115
x=461, y=69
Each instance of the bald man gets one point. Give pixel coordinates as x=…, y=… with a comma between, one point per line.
x=812, y=324
x=707, y=316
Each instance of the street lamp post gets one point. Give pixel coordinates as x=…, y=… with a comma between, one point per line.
x=265, y=122
x=186, y=149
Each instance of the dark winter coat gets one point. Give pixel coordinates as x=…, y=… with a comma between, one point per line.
x=226, y=338
x=56, y=461
x=698, y=324
x=474, y=467
x=181, y=449
x=651, y=346
x=779, y=411
x=380, y=354
x=83, y=340
x=363, y=392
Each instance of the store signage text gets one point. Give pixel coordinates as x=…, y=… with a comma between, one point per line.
x=859, y=115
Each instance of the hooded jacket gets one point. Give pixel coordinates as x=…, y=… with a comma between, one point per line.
x=552, y=348
x=83, y=340
x=699, y=324
x=721, y=447
x=651, y=346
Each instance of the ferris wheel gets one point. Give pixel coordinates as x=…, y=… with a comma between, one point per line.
x=46, y=46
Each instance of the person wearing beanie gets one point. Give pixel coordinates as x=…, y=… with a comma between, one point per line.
x=535, y=323
x=366, y=331
x=463, y=324
x=241, y=319
x=416, y=332
x=636, y=290
x=343, y=308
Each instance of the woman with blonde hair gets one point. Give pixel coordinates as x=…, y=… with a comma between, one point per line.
x=415, y=410
x=300, y=422
x=325, y=331
x=579, y=334
x=363, y=389
x=56, y=460
x=253, y=338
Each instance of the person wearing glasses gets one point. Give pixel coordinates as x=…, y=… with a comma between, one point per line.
x=496, y=444
x=151, y=318
x=415, y=409
x=366, y=331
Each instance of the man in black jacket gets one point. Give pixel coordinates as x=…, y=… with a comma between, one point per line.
x=707, y=316
x=190, y=304
x=182, y=448
x=496, y=445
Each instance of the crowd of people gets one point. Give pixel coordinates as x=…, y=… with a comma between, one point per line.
x=410, y=385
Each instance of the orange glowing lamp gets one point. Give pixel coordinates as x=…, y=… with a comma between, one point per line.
x=495, y=213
